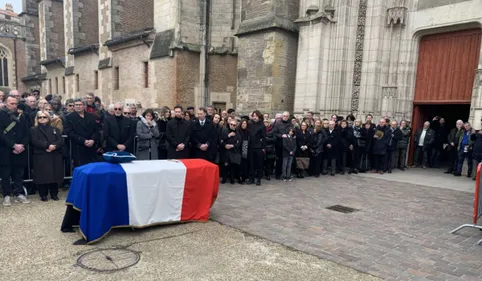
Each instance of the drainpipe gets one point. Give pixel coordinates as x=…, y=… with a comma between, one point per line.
x=206, y=53
x=204, y=56
x=16, y=65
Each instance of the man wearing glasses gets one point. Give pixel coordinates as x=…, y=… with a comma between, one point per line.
x=83, y=132
x=14, y=138
x=119, y=130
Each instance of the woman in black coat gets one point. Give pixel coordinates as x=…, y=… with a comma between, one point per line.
x=316, y=147
x=243, y=135
x=303, y=148
x=365, y=147
x=164, y=117
x=47, y=145
x=231, y=154
x=347, y=144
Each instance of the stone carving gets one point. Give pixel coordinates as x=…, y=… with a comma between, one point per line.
x=397, y=16
x=8, y=27
x=357, y=71
x=389, y=92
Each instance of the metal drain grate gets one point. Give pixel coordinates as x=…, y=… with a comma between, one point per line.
x=342, y=209
x=108, y=260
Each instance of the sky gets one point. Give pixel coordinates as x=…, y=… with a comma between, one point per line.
x=17, y=4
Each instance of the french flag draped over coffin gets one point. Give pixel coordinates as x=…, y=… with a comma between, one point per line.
x=142, y=193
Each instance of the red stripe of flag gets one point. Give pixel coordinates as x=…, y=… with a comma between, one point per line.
x=200, y=190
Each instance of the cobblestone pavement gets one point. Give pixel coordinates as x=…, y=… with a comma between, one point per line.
x=400, y=232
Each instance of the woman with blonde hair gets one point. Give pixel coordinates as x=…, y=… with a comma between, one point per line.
x=47, y=145
x=164, y=117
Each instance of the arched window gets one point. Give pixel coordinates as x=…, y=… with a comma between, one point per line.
x=3, y=68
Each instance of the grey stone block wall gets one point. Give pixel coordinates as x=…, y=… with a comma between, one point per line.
x=267, y=71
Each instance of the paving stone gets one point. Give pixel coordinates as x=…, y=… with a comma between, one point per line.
x=401, y=231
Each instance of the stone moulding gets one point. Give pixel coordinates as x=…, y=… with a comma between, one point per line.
x=397, y=16
x=357, y=68
x=53, y=63
x=266, y=23
x=389, y=92
x=105, y=63
x=478, y=78
x=83, y=49
x=35, y=78
x=316, y=18
x=69, y=71
x=136, y=35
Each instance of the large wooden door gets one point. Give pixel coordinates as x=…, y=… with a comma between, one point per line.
x=446, y=67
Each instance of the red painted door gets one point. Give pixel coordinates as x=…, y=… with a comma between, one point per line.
x=446, y=67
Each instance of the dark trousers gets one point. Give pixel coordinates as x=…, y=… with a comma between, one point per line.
x=402, y=156
x=43, y=189
x=343, y=158
x=316, y=163
x=391, y=160
x=462, y=156
x=364, y=162
x=379, y=161
x=230, y=172
x=244, y=169
x=435, y=158
x=279, y=161
x=15, y=173
x=416, y=160
x=256, y=163
x=333, y=165
x=453, y=159
x=268, y=167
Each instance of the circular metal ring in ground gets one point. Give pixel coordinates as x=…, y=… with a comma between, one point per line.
x=108, y=260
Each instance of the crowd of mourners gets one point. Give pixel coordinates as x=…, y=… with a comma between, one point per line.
x=59, y=135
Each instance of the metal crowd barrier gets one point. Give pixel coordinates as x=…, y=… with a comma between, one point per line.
x=68, y=164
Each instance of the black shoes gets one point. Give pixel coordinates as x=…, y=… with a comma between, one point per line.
x=55, y=198
x=44, y=198
x=258, y=182
x=448, y=172
x=268, y=178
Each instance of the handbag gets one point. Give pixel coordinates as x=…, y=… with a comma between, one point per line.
x=302, y=163
x=234, y=158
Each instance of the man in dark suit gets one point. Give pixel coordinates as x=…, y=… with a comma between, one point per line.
x=203, y=137
x=178, y=135
x=119, y=131
x=83, y=131
x=395, y=135
x=14, y=138
x=330, y=146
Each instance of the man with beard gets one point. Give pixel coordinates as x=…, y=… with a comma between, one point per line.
x=83, y=132
x=178, y=132
x=203, y=137
x=14, y=138
x=257, y=138
x=280, y=131
x=119, y=131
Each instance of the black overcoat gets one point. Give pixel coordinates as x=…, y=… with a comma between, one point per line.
x=123, y=134
x=178, y=131
x=48, y=166
x=79, y=130
x=205, y=134
x=19, y=134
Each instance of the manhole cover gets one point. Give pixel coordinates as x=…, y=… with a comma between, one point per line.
x=342, y=209
x=108, y=260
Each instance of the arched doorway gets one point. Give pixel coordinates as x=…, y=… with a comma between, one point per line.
x=446, y=68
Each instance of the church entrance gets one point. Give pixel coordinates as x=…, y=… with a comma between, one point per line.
x=445, y=76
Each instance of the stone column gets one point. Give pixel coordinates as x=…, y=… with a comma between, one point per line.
x=30, y=19
x=268, y=42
